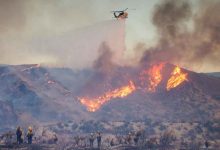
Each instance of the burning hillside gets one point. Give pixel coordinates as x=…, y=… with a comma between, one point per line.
x=176, y=45
x=152, y=87
x=94, y=104
x=177, y=77
x=33, y=93
x=149, y=80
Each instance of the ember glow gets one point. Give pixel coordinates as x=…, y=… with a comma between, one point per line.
x=177, y=77
x=95, y=103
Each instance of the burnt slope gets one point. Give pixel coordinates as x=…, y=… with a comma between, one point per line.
x=31, y=93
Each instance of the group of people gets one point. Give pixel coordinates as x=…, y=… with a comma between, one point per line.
x=92, y=138
x=29, y=135
x=120, y=139
x=128, y=139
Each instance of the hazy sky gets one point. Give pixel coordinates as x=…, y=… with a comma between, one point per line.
x=27, y=26
x=22, y=21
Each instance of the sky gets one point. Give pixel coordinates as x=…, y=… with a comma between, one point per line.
x=42, y=31
x=25, y=20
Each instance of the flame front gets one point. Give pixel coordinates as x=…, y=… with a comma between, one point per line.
x=149, y=80
x=177, y=77
x=155, y=77
x=152, y=77
x=95, y=103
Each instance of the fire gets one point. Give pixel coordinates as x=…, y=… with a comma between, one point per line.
x=177, y=77
x=149, y=80
x=95, y=103
x=152, y=76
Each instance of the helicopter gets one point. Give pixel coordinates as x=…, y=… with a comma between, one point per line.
x=122, y=14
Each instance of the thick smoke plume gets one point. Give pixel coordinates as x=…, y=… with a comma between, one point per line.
x=104, y=70
x=191, y=48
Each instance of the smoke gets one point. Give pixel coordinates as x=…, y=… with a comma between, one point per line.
x=12, y=13
x=104, y=63
x=177, y=44
x=45, y=32
x=207, y=30
x=170, y=16
x=79, y=49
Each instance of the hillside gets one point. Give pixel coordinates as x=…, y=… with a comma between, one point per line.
x=32, y=94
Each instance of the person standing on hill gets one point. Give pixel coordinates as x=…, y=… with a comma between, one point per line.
x=206, y=144
x=99, y=139
x=30, y=135
x=91, y=140
x=19, y=134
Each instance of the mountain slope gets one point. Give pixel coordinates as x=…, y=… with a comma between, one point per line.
x=35, y=94
x=195, y=100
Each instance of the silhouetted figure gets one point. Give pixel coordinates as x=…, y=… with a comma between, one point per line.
x=77, y=140
x=112, y=142
x=30, y=135
x=55, y=138
x=99, y=139
x=91, y=139
x=136, y=138
x=128, y=139
x=19, y=135
x=206, y=144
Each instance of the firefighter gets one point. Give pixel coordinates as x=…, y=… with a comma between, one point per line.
x=136, y=138
x=91, y=139
x=19, y=135
x=99, y=139
x=30, y=135
x=128, y=139
x=112, y=142
x=206, y=144
x=55, y=138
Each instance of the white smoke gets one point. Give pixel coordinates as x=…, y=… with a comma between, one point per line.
x=79, y=48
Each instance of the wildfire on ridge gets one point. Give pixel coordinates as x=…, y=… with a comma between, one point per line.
x=177, y=77
x=152, y=77
x=149, y=80
x=95, y=103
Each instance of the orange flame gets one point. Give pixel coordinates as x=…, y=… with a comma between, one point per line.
x=153, y=76
x=149, y=80
x=94, y=104
x=177, y=77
